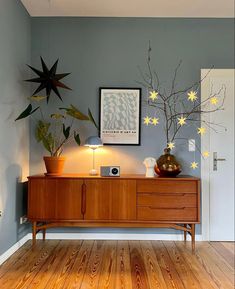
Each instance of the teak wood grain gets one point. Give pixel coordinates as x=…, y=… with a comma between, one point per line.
x=119, y=265
x=126, y=201
x=110, y=200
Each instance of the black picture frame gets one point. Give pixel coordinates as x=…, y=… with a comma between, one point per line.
x=120, y=115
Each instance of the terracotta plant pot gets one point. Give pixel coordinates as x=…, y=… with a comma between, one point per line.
x=54, y=165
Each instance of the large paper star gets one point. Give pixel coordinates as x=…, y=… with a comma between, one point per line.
x=201, y=130
x=153, y=95
x=155, y=121
x=147, y=120
x=192, y=95
x=48, y=79
x=181, y=120
x=194, y=165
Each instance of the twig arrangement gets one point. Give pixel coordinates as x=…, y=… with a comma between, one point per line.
x=178, y=108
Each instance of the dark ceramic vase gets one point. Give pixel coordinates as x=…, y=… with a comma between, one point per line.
x=167, y=165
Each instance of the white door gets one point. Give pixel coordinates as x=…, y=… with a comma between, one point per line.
x=218, y=169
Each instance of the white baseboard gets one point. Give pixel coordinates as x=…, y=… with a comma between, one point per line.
x=116, y=236
x=95, y=236
x=14, y=248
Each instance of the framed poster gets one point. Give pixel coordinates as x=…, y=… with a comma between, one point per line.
x=120, y=116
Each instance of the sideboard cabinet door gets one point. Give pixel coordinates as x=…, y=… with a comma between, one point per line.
x=42, y=199
x=55, y=199
x=110, y=199
x=68, y=199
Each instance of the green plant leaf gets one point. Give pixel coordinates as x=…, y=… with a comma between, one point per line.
x=48, y=142
x=57, y=116
x=66, y=131
x=92, y=119
x=42, y=130
x=77, y=138
x=27, y=112
x=74, y=112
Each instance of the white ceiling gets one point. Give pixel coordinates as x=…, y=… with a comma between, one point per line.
x=131, y=8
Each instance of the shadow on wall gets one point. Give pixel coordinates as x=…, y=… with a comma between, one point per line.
x=16, y=201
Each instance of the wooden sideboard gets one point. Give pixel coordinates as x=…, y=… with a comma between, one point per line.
x=126, y=201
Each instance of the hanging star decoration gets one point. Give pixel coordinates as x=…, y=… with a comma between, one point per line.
x=170, y=145
x=155, y=121
x=153, y=95
x=214, y=100
x=48, y=79
x=206, y=154
x=192, y=95
x=181, y=120
x=201, y=130
x=147, y=120
x=194, y=165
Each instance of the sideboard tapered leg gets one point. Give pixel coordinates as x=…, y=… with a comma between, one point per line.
x=185, y=233
x=193, y=237
x=34, y=232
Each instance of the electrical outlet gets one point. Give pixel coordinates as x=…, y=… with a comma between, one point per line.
x=191, y=145
x=23, y=220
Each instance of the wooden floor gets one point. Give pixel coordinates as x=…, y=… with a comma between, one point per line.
x=119, y=265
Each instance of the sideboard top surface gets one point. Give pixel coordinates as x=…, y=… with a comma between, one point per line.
x=124, y=176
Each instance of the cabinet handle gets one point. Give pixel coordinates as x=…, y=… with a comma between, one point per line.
x=177, y=208
x=83, y=199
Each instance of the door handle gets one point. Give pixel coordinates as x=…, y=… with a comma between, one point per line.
x=215, y=160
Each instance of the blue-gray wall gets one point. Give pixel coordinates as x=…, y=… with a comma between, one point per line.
x=15, y=51
x=107, y=52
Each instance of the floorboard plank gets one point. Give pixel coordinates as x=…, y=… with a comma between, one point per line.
x=108, y=267
x=171, y=276
x=17, y=256
x=185, y=273
x=206, y=282
x=216, y=263
x=24, y=271
x=224, y=252
x=138, y=270
x=57, y=280
x=154, y=273
x=230, y=246
x=75, y=277
x=92, y=273
x=49, y=269
x=123, y=277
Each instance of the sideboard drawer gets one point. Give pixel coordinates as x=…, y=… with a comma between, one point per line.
x=168, y=214
x=166, y=186
x=167, y=200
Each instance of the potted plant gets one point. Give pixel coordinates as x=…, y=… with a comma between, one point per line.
x=53, y=130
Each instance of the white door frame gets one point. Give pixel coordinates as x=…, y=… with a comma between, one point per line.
x=205, y=144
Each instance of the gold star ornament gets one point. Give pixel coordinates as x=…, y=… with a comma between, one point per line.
x=181, y=120
x=201, y=130
x=194, y=165
x=153, y=95
x=155, y=121
x=214, y=100
x=206, y=154
x=170, y=145
x=147, y=120
x=192, y=95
